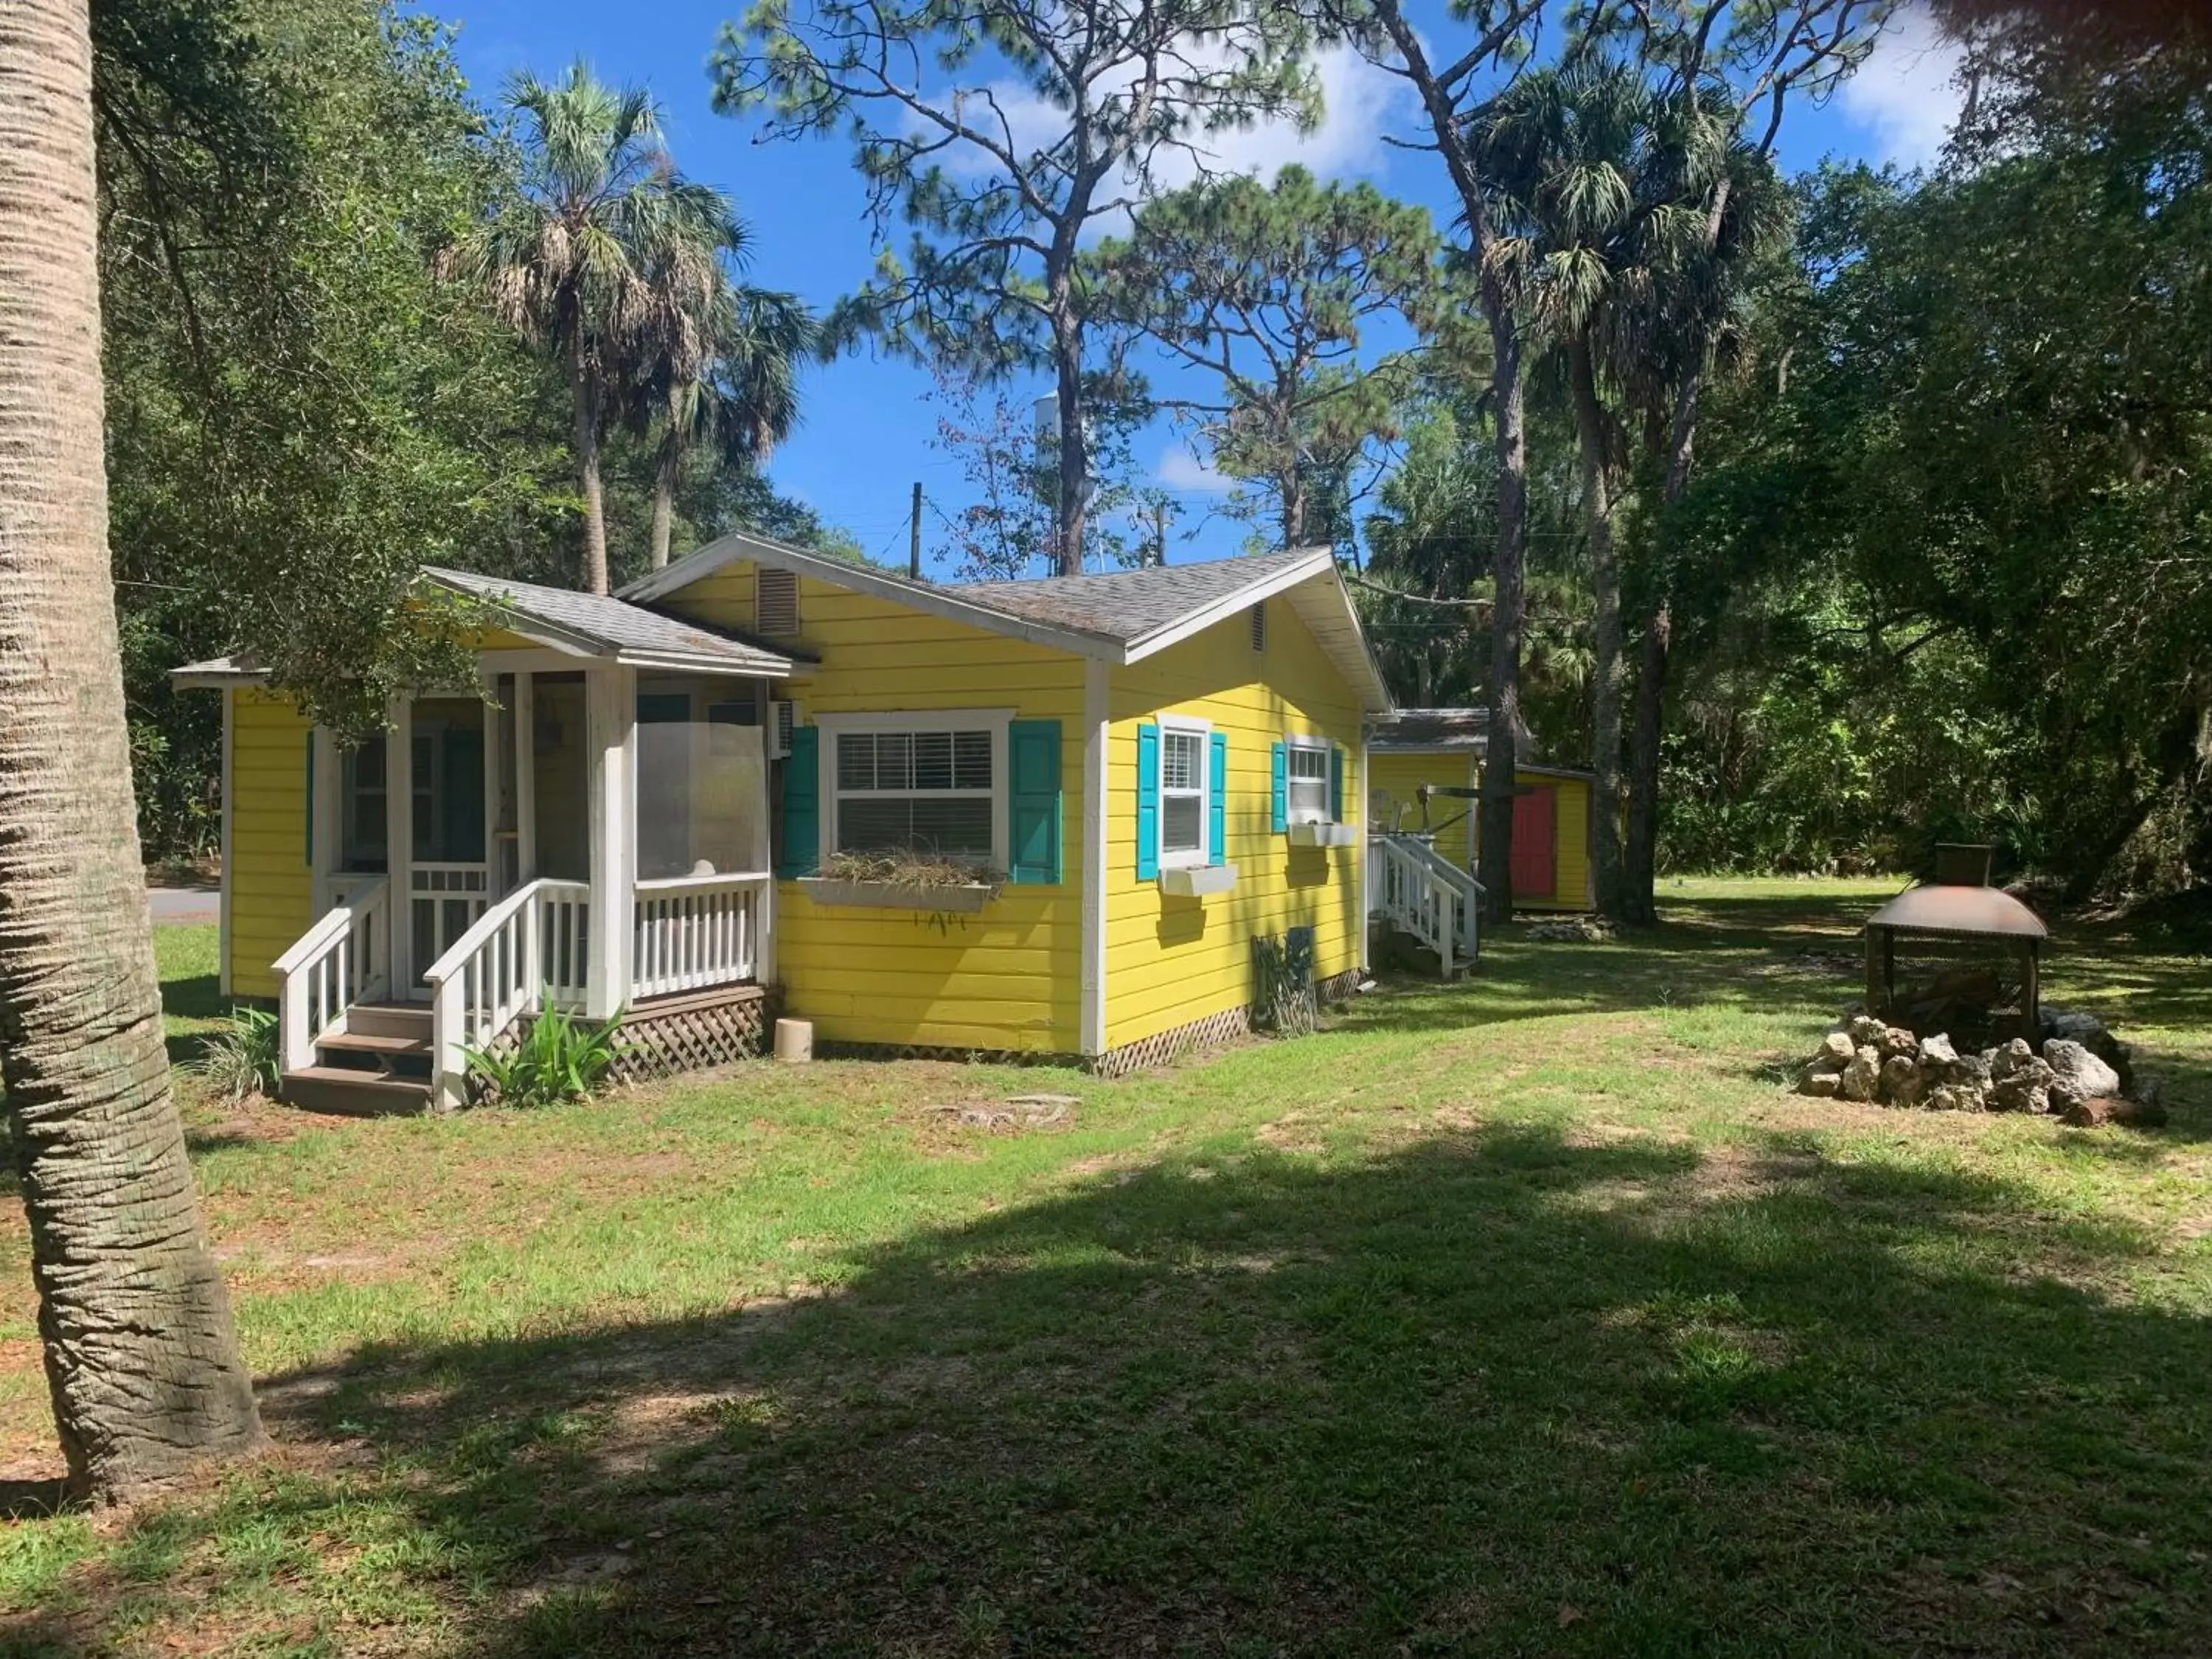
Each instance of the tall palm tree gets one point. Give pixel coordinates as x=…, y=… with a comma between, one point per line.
x=603, y=246
x=726, y=382
x=1592, y=192
x=142, y=1362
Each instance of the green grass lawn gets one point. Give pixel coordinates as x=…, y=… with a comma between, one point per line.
x=1526, y=1315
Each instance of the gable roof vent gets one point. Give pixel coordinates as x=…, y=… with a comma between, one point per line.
x=1260, y=626
x=775, y=603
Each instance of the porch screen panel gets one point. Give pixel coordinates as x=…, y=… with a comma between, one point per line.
x=701, y=784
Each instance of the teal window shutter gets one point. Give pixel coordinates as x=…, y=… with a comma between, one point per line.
x=802, y=805
x=308, y=817
x=1336, y=783
x=1279, y=765
x=1033, y=803
x=1217, y=803
x=1148, y=803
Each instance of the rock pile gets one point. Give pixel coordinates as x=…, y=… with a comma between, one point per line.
x=1570, y=930
x=2083, y=1074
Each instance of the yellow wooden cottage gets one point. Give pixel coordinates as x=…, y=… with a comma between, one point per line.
x=1425, y=767
x=643, y=809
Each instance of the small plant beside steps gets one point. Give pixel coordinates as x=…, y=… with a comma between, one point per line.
x=246, y=1059
x=559, y=1059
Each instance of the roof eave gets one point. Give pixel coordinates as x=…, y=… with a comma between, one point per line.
x=574, y=640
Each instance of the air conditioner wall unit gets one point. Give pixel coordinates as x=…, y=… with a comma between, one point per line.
x=783, y=722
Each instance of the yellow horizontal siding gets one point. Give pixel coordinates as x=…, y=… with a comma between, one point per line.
x=1571, y=813
x=1401, y=775
x=1006, y=978
x=1170, y=961
x=721, y=598
x=270, y=885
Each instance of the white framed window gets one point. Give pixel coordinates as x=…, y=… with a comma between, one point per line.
x=931, y=782
x=1308, y=765
x=1184, y=785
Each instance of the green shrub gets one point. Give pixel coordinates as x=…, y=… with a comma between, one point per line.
x=560, y=1058
x=246, y=1059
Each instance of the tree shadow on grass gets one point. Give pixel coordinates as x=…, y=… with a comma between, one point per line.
x=1504, y=1392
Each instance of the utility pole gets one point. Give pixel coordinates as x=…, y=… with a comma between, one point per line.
x=1159, y=532
x=914, y=537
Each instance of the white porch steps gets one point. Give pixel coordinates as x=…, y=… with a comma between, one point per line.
x=379, y=1064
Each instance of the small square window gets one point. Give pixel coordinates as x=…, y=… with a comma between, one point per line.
x=1309, y=782
x=1183, y=795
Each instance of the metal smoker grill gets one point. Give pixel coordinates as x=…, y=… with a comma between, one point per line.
x=1957, y=905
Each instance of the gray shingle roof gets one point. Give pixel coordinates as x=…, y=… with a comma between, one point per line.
x=1126, y=604
x=1429, y=728
x=616, y=624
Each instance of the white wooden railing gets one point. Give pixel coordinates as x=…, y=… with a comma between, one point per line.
x=344, y=958
x=1418, y=889
x=530, y=948
x=692, y=931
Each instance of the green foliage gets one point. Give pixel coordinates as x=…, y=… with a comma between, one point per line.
x=1269, y=288
x=297, y=418
x=990, y=281
x=244, y=1059
x=1008, y=531
x=1991, y=453
x=1433, y=535
x=559, y=1059
x=299, y=412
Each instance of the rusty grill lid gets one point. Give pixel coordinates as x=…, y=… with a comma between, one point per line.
x=1973, y=910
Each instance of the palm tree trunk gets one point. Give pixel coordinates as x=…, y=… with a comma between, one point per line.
x=664, y=495
x=584, y=389
x=1605, y=591
x=141, y=1361
x=1501, y=741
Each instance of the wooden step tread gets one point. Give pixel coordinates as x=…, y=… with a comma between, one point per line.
x=336, y=1089
x=374, y=1042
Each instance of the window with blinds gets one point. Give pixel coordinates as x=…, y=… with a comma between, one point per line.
x=932, y=793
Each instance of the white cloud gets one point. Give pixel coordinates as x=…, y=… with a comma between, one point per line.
x=1906, y=97
x=1178, y=469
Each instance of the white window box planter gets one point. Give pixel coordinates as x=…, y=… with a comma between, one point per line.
x=964, y=900
x=1197, y=880
x=1324, y=835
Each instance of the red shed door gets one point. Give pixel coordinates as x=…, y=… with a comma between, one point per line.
x=1536, y=842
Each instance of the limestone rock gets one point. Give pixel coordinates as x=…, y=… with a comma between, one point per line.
x=1821, y=1086
x=1937, y=1051
x=1861, y=1075
x=1836, y=1052
x=1901, y=1081
x=1866, y=1032
x=1896, y=1041
x=2077, y=1074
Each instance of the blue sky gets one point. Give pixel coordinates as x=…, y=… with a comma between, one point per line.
x=868, y=423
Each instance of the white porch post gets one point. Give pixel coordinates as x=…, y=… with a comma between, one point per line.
x=399, y=847
x=610, y=731
x=525, y=715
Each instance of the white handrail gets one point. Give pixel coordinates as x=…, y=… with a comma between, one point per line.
x=691, y=932
x=344, y=958
x=1429, y=896
x=530, y=945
